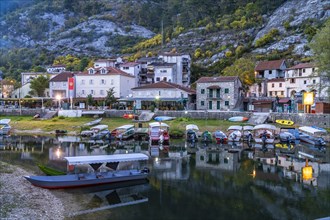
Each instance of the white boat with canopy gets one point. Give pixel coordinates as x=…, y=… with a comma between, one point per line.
x=88, y=179
x=312, y=135
x=264, y=133
x=234, y=133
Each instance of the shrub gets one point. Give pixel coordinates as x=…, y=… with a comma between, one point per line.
x=267, y=38
x=61, y=117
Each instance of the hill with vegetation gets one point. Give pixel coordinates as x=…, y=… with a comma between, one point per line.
x=216, y=33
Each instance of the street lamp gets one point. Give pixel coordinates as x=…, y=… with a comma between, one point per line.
x=58, y=97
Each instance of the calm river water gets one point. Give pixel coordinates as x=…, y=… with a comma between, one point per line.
x=232, y=181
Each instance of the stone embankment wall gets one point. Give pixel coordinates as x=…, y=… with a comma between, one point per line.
x=321, y=120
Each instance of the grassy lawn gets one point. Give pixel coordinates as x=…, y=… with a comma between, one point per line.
x=27, y=123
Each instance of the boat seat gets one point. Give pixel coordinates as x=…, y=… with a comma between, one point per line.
x=81, y=177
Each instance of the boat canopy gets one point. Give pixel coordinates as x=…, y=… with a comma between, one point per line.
x=234, y=127
x=265, y=126
x=247, y=128
x=192, y=127
x=115, y=158
x=4, y=121
x=312, y=130
x=125, y=127
x=158, y=124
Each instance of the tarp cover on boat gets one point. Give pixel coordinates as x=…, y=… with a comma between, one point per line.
x=234, y=127
x=106, y=158
x=312, y=130
x=265, y=126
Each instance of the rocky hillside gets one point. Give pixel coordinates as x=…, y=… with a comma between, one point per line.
x=209, y=31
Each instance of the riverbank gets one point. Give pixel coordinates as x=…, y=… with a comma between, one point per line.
x=21, y=200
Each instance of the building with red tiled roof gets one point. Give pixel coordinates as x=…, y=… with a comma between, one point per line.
x=97, y=81
x=270, y=69
x=58, y=85
x=219, y=93
x=166, y=95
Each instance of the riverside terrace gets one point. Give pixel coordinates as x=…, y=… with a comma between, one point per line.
x=320, y=120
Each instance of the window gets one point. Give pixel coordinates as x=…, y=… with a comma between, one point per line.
x=125, y=67
x=91, y=82
x=280, y=84
x=226, y=103
x=103, y=71
x=305, y=81
x=210, y=93
x=103, y=81
x=64, y=83
x=227, y=90
x=300, y=72
x=225, y=160
x=101, y=92
x=292, y=80
x=82, y=82
x=111, y=82
x=53, y=83
x=218, y=104
x=275, y=93
x=83, y=92
x=210, y=104
x=272, y=85
x=282, y=92
x=165, y=79
x=91, y=71
x=202, y=103
x=218, y=93
x=163, y=71
x=270, y=93
x=157, y=79
x=313, y=69
x=314, y=81
x=92, y=92
x=202, y=91
x=304, y=70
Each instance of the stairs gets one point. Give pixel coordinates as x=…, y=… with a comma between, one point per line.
x=48, y=115
x=258, y=118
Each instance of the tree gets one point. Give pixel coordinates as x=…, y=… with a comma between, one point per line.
x=244, y=69
x=110, y=98
x=39, y=85
x=321, y=48
x=90, y=100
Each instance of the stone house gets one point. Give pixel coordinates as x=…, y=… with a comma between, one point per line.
x=276, y=87
x=219, y=93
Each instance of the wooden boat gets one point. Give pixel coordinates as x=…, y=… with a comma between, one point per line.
x=5, y=127
x=89, y=179
x=284, y=122
x=123, y=132
x=92, y=123
x=264, y=133
x=238, y=118
x=312, y=135
x=50, y=171
x=192, y=132
x=164, y=118
x=220, y=137
x=159, y=133
x=234, y=133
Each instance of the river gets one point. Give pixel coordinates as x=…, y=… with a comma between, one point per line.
x=200, y=181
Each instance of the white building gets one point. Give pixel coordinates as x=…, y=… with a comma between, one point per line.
x=304, y=78
x=133, y=69
x=108, y=62
x=165, y=72
x=183, y=63
x=56, y=69
x=276, y=87
x=28, y=76
x=58, y=85
x=97, y=81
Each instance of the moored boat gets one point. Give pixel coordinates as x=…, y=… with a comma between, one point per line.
x=312, y=135
x=93, y=131
x=207, y=136
x=5, y=127
x=234, y=133
x=264, y=133
x=247, y=133
x=220, y=137
x=94, y=122
x=123, y=132
x=89, y=179
x=192, y=132
x=159, y=133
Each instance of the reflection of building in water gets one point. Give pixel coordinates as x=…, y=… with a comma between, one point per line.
x=220, y=159
x=175, y=166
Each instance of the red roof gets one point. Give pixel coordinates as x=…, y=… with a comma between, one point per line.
x=216, y=79
x=63, y=77
x=276, y=80
x=302, y=66
x=284, y=100
x=165, y=85
x=269, y=65
x=110, y=71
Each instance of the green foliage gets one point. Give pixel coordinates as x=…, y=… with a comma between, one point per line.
x=244, y=68
x=61, y=117
x=39, y=85
x=286, y=25
x=267, y=38
x=110, y=98
x=90, y=100
x=122, y=42
x=152, y=42
x=310, y=31
x=198, y=53
x=71, y=62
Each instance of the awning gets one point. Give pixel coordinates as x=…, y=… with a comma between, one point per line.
x=106, y=158
x=284, y=100
x=214, y=87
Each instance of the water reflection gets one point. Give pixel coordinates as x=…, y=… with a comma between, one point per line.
x=235, y=176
